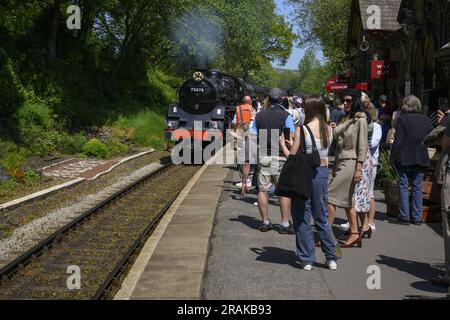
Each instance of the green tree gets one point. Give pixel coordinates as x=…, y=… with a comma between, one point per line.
x=312, y=74
x=255, y=33
x=323, y=24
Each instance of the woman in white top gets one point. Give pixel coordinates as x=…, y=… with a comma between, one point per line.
x=316, y=207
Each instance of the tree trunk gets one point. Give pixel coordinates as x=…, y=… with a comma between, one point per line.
x=87, y=22
x=123, y=53
x=53, y=26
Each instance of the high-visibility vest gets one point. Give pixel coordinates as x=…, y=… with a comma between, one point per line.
x=244, y=114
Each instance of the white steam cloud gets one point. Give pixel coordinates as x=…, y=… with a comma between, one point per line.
x=200, y=35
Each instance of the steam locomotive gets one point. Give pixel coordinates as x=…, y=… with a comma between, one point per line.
x=210, y=98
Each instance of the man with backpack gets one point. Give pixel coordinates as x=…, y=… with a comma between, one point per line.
x=269, y=124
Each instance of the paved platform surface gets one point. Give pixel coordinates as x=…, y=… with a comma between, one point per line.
x=173, y=261
x=247, y=264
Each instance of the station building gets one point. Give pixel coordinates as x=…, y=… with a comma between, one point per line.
x=406, y=52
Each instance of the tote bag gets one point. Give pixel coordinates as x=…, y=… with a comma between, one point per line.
x=298, y=172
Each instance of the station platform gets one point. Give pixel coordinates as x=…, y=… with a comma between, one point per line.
x=208, y=246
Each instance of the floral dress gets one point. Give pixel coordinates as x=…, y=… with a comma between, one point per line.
x=362, y=192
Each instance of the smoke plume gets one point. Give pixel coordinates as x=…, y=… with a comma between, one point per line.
x=200, y=35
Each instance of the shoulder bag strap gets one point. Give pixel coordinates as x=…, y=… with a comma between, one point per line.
x=302, y=140
x=313, y=140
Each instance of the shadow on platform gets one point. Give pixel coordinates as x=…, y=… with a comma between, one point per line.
x=418, y=269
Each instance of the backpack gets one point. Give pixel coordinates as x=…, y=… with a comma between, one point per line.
x=298, y=115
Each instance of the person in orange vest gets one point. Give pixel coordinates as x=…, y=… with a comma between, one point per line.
x=245, y=113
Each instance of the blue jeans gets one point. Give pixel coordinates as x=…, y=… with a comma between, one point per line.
x=316, y=207
x=413, y=176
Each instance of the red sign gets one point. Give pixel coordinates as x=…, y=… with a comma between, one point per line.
x=362, y=86
x=377, y=69
x=383, y=69
x=337, y=83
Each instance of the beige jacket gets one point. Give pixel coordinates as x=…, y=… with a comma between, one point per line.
x=352, y=138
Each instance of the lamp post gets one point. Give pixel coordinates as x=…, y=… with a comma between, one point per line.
x=409, y=26
x=363, y=67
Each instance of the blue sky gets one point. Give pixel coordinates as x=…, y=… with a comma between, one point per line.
x=297, y=53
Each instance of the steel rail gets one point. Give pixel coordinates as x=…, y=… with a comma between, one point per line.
x=122, y=265
x=14, y=266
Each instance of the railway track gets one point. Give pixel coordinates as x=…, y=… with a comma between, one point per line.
x=100, y=244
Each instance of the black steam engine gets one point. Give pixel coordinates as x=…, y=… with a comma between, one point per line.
x=209, y=99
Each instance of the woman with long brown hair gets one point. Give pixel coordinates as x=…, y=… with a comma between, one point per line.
x=316, y=130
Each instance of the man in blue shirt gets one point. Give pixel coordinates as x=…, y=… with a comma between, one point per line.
x=269, y=124
x=338, y=113
x=384, y=116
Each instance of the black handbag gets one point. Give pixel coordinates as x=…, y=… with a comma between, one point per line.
x=298, y=172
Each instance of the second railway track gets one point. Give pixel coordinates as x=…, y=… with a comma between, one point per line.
x=100, y=244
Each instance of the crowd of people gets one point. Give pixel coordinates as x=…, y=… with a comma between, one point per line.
x=350, y=130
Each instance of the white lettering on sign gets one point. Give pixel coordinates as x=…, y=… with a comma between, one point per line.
x=74, y=20
x=374, y=280
x=374, y=19
x=74, y=281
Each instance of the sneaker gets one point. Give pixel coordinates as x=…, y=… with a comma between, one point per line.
x=255, y=203
x=239, y=184
x=331, y=264
x=287, y=230
x=416, y=223
x=307, y=266
x=265, y=227
x=345, y=226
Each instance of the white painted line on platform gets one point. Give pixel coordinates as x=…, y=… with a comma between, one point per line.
x=122, y=162
x=39, y=194
x=36, y=195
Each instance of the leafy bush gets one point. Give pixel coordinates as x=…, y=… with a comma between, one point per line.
x=38, y=141
x=71, y=144
x=116, y=147
x=38, y=129
x=386, y=170
x=37, y=114
x=6, y=147
x=13, y=161
x=32, y=176
x=148, y=128
x=10, y=92
x=95, y=148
